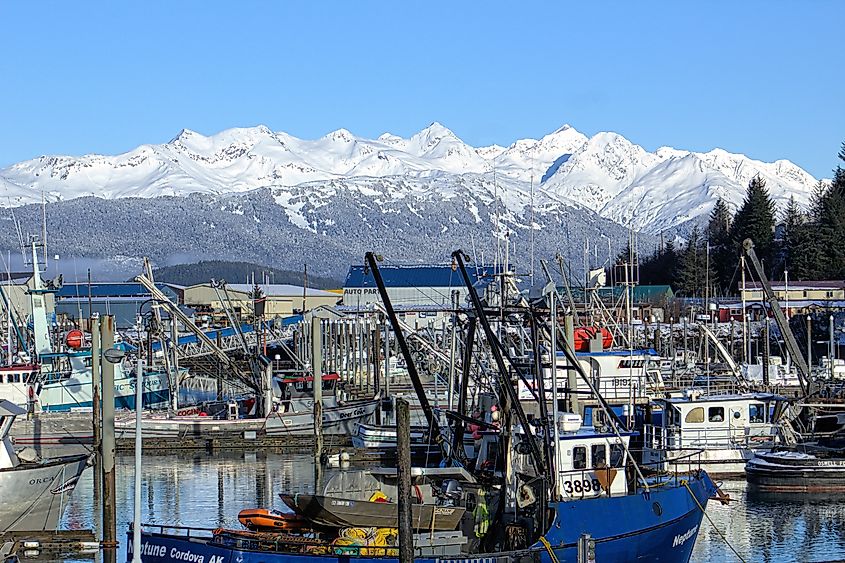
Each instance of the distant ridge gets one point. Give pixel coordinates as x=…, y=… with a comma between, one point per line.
x=237, y=272
x=606, y=173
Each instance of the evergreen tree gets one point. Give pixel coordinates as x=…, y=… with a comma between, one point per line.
x=723, y=256
x=669, y=264
x=830, y=230
x=756, y=220
x=793, y=235
x=659, y=268
x=692, y=266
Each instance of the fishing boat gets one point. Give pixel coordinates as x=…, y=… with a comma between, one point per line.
x=796, y=472
x=293, y=414
x=655, y=524
x=33, y=493
x=718, y=433
x=65, y=384
x=341, y=512
x=338, y=419
x=383, y=437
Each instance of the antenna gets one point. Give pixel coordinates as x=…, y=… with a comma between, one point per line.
x=44, y=229
x=532, y=215
x=498, y=217
x=21, y=243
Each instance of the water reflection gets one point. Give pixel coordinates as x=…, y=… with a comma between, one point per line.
x=198, y=489
x=773, y=529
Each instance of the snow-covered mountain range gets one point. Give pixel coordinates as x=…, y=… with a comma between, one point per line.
x=606, y=174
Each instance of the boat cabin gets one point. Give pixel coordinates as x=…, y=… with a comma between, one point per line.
x=591, y=464
x=713, y=422
x=296, y=394
x=18, y=384
x=8, y=412
x=622, y=375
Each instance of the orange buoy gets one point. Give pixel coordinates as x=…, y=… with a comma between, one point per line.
x=262, y=519
x=74, y=339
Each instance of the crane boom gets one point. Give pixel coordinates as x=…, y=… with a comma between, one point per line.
x=780, y=319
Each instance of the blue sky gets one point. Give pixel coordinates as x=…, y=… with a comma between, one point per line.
x=763, y=78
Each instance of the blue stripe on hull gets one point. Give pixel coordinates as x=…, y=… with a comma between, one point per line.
x=152, y=400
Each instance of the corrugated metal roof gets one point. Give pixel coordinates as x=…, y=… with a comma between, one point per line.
x=108, y=289
x=415, y=276
x=281, y=290
x=781, y=285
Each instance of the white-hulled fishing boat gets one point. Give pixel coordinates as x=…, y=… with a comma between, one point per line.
x=33, y=494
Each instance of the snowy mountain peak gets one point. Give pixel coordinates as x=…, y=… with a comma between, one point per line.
x=390, y=138
x=341, y=136
x=562, y=129
x=437, y=129
x=184, y=135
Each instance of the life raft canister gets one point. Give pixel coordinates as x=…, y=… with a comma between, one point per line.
x=584, y=334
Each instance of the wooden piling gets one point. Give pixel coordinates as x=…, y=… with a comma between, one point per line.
x=403, y=465
x=317, y=375
x=110, y=541
x=96, y=393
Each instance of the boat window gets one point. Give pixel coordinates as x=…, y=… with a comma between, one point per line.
x=579, y=457
x=617, y=455
x=716, y=414
x=695, y=415
x=599, y=453
x=756, y=412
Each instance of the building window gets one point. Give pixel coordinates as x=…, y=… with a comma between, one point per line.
x=716, y=414
x=579, y=457
x=696, y=415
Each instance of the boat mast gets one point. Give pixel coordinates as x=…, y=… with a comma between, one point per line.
x=433, y=424
x=496, y=348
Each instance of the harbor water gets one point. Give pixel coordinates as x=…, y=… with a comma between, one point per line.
x=208, y=490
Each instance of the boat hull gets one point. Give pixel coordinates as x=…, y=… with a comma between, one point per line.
x=349, y=513
x=805, y=474
x=74, y=393
x=339, y=420
x=374, y=437
x=717, y=462
x=35, y=495
x=660, y=526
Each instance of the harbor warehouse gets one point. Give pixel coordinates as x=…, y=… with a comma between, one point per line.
x=409, y=287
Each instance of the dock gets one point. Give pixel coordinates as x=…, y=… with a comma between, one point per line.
x=50, y=545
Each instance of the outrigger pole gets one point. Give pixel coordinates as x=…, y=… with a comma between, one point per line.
x=504, y=381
